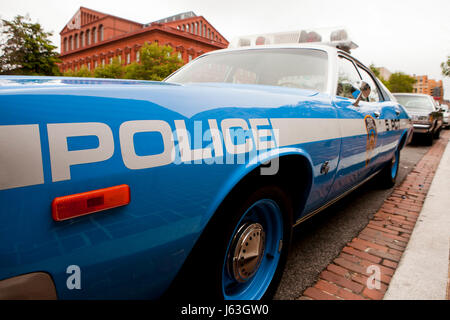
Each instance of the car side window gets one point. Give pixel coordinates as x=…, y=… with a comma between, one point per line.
x=374, y=95
x=348, y=79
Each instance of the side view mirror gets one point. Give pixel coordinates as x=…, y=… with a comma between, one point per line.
x=364, y=92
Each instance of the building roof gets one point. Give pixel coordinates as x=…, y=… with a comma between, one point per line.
x=176, y=17
x=101, y=15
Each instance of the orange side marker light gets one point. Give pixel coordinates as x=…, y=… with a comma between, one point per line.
x=80, y=204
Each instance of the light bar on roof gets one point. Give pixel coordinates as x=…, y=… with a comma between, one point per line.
x=336, y=37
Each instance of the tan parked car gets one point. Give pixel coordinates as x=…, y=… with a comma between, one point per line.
x=426, y=115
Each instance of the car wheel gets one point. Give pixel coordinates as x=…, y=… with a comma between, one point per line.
x=241, y=255
x=429, y=139
x=388, y=174
x=437, y=134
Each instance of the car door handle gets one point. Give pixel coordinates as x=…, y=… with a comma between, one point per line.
x=377, y=114
x=397, y=112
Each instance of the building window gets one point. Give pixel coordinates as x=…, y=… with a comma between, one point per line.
x=89, y=66
x=110, y=60
x=128, y=58
x=88, y=37
x=94, y=35
x=95, y=64
x=187, y=28
x=183, y=28
x=76, y=41
x=138, y=56
x=179, y=55
x=65, y=44
x=204, y=31
x=81, y=39
x=120, y=58
x=100, y=32
x=190, y=58
x=103, y=62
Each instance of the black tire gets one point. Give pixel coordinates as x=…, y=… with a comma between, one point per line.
x=386, y=179
x=437, y=133
x=429, y=139
x=201, y=275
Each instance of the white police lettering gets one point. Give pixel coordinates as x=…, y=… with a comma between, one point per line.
x=22, y=165
x=20, y=156
x=61, y=158
x=260, y=134
x=238, y=126
x=130, y=158
x=186, y=153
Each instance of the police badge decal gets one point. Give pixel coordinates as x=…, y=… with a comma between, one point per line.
x=371, y=128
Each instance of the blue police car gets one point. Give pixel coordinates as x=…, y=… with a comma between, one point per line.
x=113, y=189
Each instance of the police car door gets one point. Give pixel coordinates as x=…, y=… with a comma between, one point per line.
x=358, y=125
x=387, y=133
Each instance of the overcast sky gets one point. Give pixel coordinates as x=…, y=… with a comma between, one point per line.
x=411, y=36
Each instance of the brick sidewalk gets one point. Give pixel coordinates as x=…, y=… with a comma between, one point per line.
x=382, y=242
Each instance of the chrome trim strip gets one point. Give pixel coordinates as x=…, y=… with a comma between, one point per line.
x=309, y=215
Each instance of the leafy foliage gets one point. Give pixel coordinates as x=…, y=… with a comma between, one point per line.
x=397, y=82
x=113, y=70
x=375, y=70
x=157, y=62
x=400, y=82
x=83, y=72
x=446, y=67
x=25, y=48
x=377, y=73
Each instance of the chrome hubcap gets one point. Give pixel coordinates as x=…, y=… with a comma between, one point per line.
x=247, y=251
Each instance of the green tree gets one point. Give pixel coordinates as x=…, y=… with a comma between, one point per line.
x=377, y=74
x=157, y=62
x=25, y=48
x=446, y=67
x=400, y=82
x=113, y=70
x=82, y=72
x=375, y=70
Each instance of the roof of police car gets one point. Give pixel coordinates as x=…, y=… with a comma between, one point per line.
x=318, y=46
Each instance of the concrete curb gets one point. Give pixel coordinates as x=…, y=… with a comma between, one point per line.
x=423, y=270
x=365, y=267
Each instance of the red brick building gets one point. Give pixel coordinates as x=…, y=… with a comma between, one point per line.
x=92, y=38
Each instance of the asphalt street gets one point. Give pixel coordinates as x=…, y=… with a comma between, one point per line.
x=317, y=241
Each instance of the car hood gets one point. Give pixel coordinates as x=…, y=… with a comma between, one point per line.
x=188, y=99
x=419, y=113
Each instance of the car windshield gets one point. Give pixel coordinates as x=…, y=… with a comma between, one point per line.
x=413, y=102
x=297, y=68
